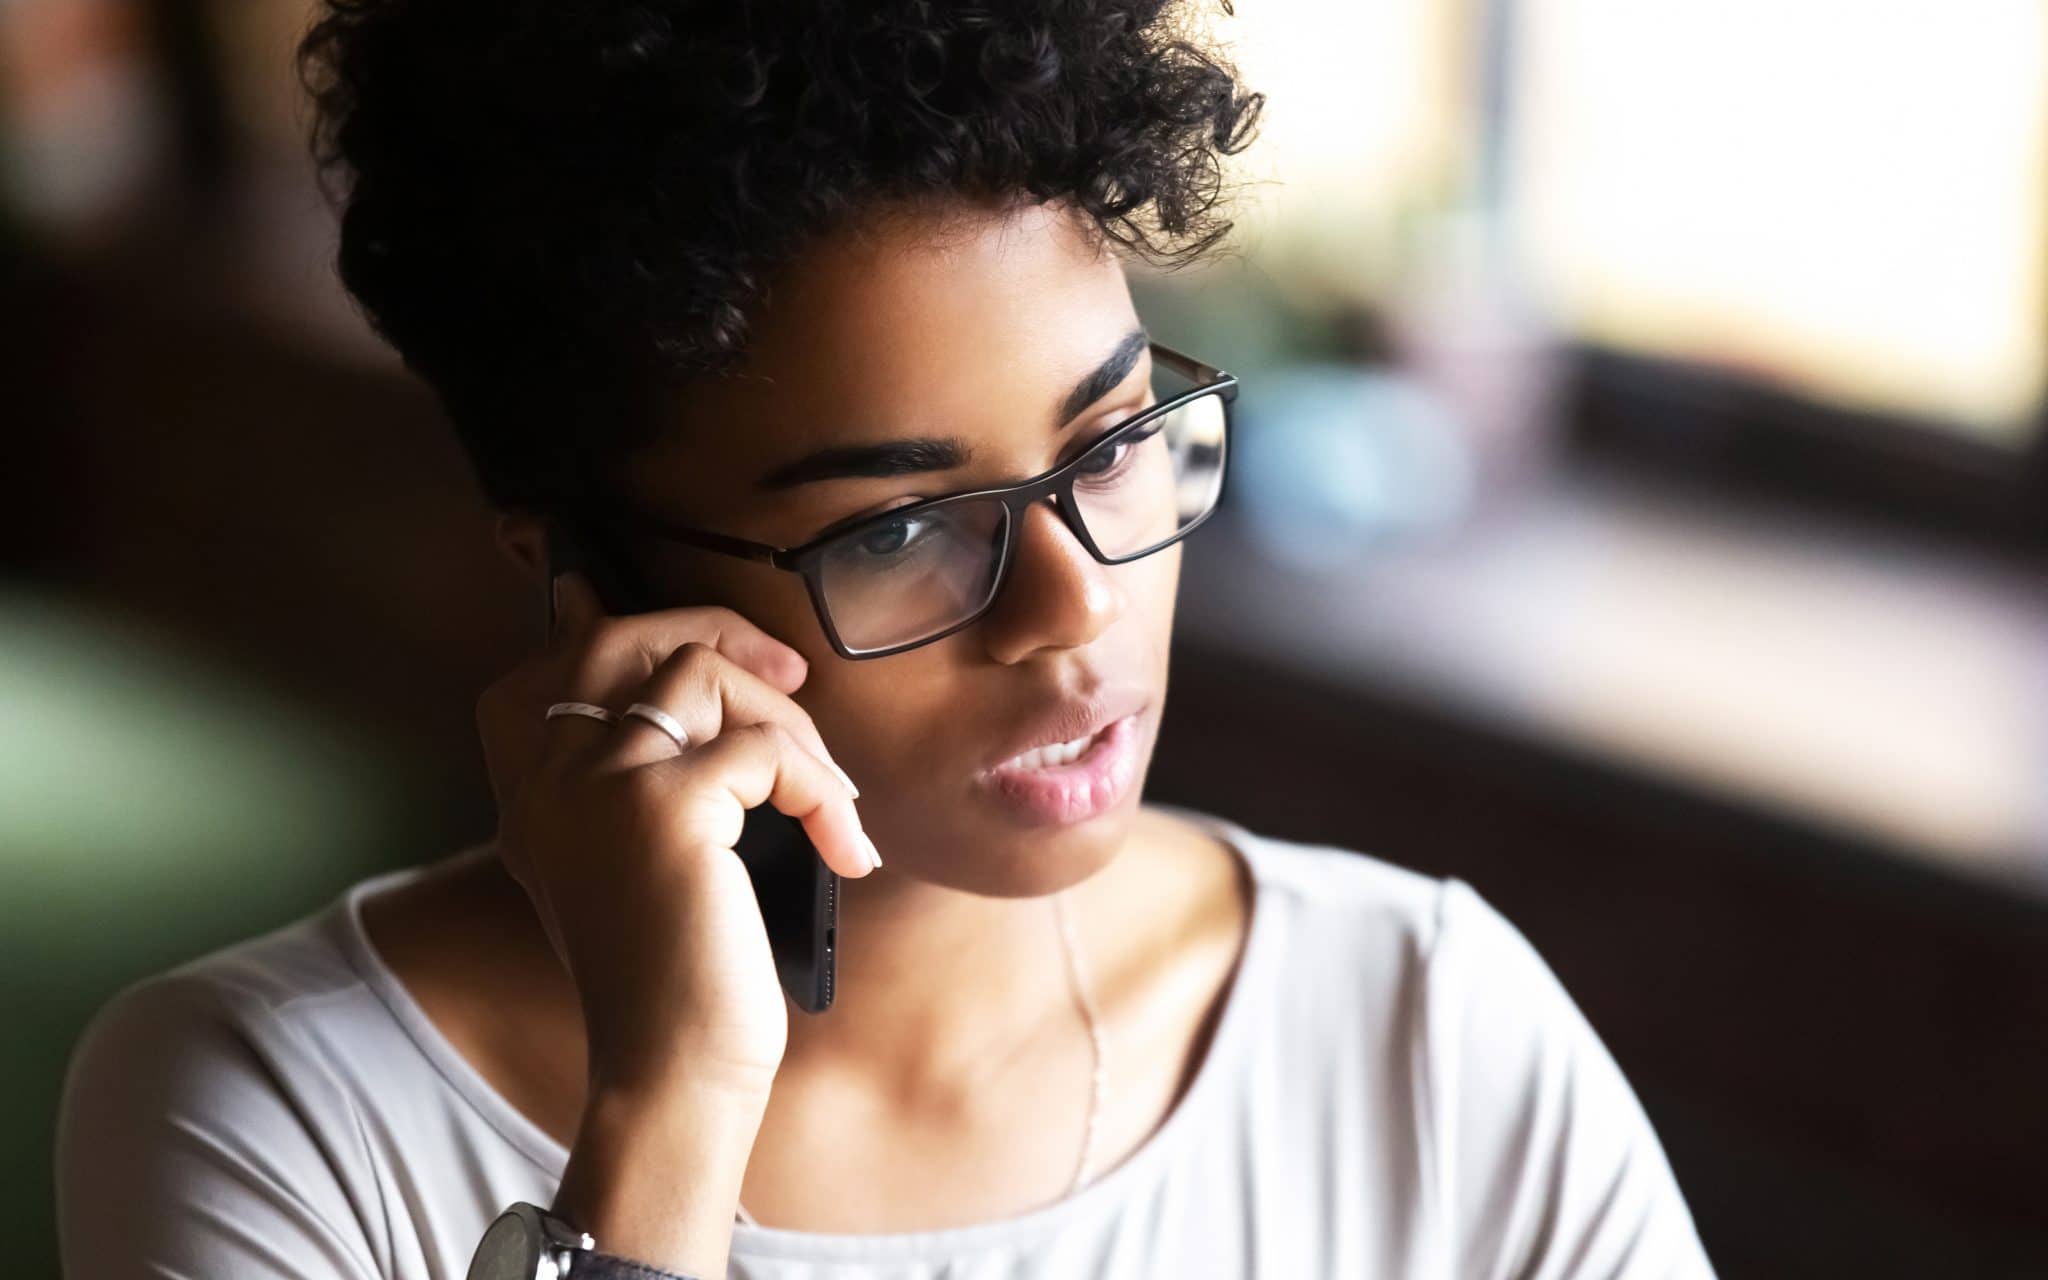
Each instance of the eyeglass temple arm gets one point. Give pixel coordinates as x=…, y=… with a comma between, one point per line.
x=702, y=538
x=1189, y=367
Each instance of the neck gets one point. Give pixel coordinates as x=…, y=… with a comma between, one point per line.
x=934, y=984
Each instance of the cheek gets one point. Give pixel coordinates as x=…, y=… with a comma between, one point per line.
x=1153, y=588
x=889, y=718
x=876, y=716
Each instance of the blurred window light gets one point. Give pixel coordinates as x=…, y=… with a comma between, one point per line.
x=1843, y=199
x=1336, y=460
x=1366, y=131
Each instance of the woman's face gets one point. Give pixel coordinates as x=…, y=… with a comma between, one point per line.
x=979, y=326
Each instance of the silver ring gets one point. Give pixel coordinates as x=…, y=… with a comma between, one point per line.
x=663, y=721
x=583, y=709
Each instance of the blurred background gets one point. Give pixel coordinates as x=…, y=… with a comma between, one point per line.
x=1640, y=513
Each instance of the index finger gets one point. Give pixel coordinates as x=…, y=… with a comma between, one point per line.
x=726, y=630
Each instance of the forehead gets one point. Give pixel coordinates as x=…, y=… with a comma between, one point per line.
x=965, y=321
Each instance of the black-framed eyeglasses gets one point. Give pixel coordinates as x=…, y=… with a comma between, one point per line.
x=917, y=573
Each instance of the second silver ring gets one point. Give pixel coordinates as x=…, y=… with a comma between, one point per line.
x=663, y=721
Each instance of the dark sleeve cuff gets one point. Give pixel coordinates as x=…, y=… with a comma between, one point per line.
x=597, y=1265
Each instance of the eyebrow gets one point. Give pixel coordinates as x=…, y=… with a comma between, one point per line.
x=919, y=454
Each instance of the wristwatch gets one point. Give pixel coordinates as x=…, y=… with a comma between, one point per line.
x=526, y=1242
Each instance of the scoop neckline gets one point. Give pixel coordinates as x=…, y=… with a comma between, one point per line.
x=1226, y=1046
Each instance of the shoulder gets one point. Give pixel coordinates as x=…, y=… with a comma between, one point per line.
x=1344, y=906
x=207, y=1087
x=1544, y=1160
x=246, y=997
x=1532, y=1147
x=233, y=992
x=298, y=1017
x=249, y=1038
x=1444, y=932
x=1335, y=880
x=1454, y=976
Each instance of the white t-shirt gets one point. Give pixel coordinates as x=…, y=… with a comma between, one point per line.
x=1398, y=1086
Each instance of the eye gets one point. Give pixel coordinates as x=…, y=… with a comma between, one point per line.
x=1113, y=422
x=887, y=538
x=891, y=541
x=1103, y=462
x=1106, y=463
x=848, y=524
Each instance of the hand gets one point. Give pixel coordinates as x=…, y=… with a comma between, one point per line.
x=625, y=845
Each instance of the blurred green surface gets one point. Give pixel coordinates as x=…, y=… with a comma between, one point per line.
x=153, y=806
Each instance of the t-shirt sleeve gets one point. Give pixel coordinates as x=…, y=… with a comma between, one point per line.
x=181, y=1153
x=1547, y=1165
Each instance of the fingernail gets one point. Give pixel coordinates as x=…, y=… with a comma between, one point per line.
x=874, y=855
x=842, y=776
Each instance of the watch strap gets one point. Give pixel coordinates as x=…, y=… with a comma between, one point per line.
x=598, y=1265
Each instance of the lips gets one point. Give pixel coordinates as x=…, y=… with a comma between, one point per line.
x=1066, y=720
x=1063, y=795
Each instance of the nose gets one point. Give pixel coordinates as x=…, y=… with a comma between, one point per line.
x=1057, y=595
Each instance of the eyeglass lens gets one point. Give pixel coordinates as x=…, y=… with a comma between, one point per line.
x=903, y=580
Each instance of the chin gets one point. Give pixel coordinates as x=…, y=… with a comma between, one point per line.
x=1006, y=856
x=984, y=852
x=1034, y=862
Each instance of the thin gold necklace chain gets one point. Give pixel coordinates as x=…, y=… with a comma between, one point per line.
x=1084, y=998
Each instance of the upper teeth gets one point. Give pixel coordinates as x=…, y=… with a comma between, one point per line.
x=1058, y=753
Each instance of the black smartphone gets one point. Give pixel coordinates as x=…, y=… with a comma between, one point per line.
x=798, y=893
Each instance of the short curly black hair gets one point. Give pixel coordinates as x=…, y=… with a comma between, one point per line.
x=553, y=209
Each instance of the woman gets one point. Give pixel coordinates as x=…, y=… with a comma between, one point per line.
x=694, y=280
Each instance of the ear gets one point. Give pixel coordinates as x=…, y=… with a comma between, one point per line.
x=522, y=536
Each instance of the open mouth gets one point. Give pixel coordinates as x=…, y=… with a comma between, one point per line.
x=1057, y=755
x=1069, y=782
